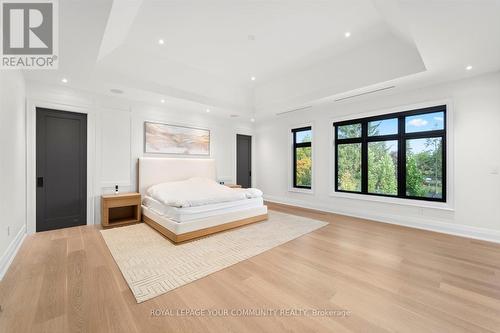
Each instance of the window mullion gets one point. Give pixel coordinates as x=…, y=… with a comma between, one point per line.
x=294, y=159
x=336, y=161
x=444, y=170
x=401, y=157
x=364, y=157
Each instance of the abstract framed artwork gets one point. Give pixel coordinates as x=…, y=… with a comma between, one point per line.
x=162, y=138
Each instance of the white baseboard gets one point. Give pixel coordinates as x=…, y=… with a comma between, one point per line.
x=11, y=251
x=412, y=222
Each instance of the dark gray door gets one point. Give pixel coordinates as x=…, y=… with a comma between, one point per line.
x=61, y=169
x=244, y=160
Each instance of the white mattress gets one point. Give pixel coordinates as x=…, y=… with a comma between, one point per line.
x=201, y=223
x=181, y=215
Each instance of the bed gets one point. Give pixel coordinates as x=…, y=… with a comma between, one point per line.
x=182, y=201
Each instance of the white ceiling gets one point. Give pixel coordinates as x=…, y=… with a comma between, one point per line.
x=296, y=49
x=215, y=38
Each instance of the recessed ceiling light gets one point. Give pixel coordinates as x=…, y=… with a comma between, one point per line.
x=163, y=101
x=252, y=78
x=161, y=41
x=208, y=110
x=347, y=34
x=252, y=120
x=468, y=67
x=64, y=80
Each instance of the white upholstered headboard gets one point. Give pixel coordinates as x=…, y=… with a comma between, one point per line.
x=153, y=170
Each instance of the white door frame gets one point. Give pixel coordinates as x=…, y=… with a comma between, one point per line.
x=31, y=106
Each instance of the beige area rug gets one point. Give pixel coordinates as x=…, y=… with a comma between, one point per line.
x=152, y=265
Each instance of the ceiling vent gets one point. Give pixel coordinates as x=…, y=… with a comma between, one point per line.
x=364, y=93
x=294, y=110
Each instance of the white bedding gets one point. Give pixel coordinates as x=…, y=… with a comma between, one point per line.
x=199, y=212
x=197, y=192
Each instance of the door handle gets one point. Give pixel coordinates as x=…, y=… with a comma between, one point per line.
x=39, y=182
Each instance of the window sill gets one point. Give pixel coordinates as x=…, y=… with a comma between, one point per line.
x=301, y=190
x=396, y=201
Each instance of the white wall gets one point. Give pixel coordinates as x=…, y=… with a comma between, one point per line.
x=116, y=141
x=12, y=165
x=476, y=161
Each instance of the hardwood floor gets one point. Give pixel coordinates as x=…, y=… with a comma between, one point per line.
x=390, y=278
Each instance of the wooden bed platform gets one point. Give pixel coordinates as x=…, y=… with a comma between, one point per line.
x=179, y=238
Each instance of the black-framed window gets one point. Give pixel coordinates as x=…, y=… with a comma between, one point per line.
x=302, y=157
x=399, y=155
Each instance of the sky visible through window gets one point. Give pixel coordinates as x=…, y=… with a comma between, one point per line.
x=418, y=123
x=425, y=122
x=383, y=127
x=303, y=136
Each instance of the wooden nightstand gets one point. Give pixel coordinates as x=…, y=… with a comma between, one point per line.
x=233, y=185
x=120, y=209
